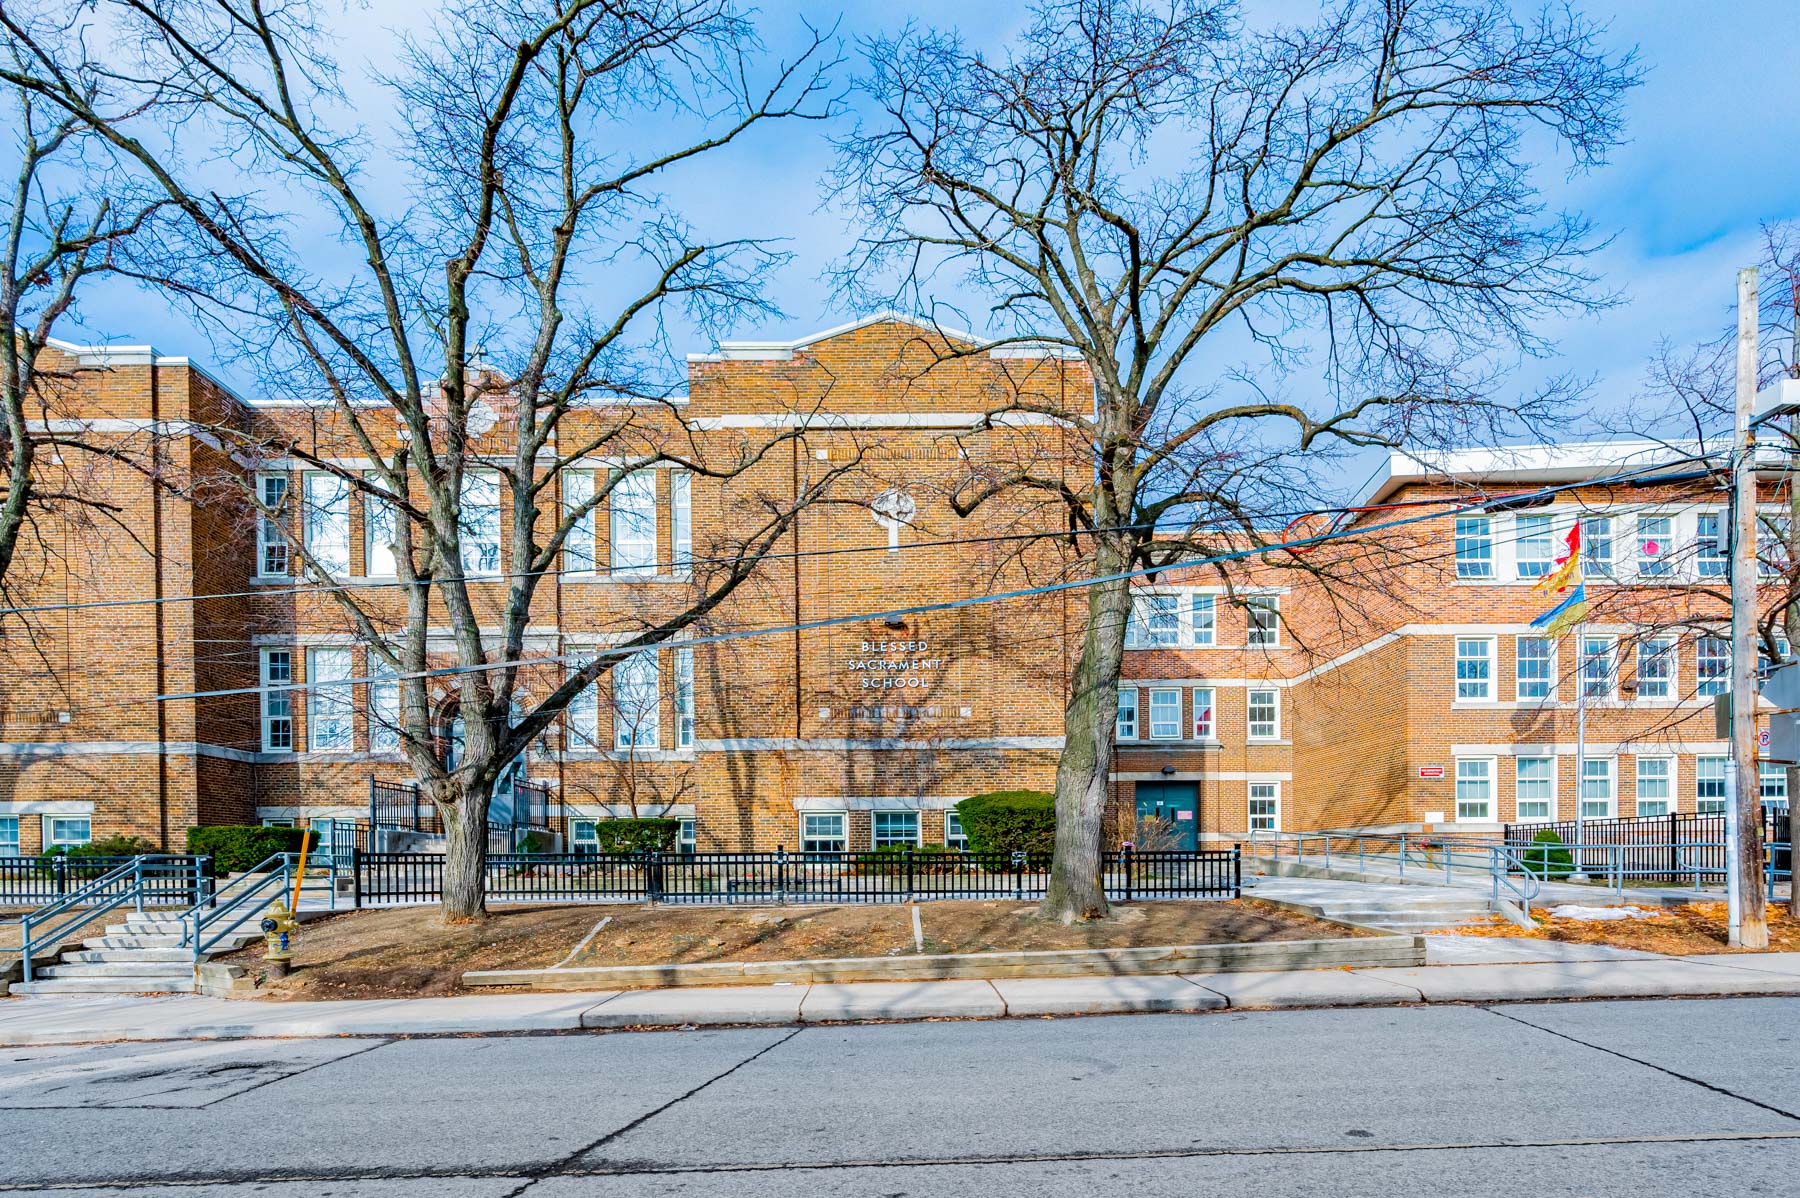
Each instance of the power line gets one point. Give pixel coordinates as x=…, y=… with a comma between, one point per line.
x=891, y=613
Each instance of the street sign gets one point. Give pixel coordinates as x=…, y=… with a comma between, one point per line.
x=1762, y=739
x=1431, y=771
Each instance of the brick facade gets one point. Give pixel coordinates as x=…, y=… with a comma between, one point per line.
x=1355, y=694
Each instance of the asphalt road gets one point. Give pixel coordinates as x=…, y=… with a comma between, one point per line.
x=1630, y=1098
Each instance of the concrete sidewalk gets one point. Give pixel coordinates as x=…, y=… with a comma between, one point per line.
x=1515, y=971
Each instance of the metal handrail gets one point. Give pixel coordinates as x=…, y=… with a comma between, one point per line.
x=82, y=898
x=1502, y=869
x=254, y=883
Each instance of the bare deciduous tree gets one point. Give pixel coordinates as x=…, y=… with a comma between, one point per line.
x=1264, y=240
x=530, y=133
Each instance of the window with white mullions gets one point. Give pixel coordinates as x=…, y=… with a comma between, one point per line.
x=633, y=501
x=1655, y=785
x=384, y=711
x=1165, y=714
x=480, y=524
x=67, y=831
x=1710, y=795
x=1656, y=667
x=326, y=524
x=636, y=697
x=1474, y=668
x=1204, y=620
x=1534, y=547
x=1128, y=713
x=1263, y=709
x=1203, y=713
x=379, y=534
x=1771, y=779
x=271, y=542
x=1599, y=670
x=954, y=836
x=330, y=726
x=1597, y=544
x=578, y=497
x=9, y=836
x=681, y=518
x=1155, y=622
x=1772, y=545
x=1265, y=806
x=1263, y=613
x=822, y=832
x=1597, y=788
x=1711, y=559
x=1475, y=789
x=1654, y=559
x=684, y=698
x=1535, y=666
x=1534, y=787
x=277, y=705
x=896, y=829
x=1474, y=547
x=1712, y=665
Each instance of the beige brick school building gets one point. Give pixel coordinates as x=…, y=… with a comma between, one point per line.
x=1389, y=680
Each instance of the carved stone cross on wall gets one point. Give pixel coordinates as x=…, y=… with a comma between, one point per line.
x=892, y=509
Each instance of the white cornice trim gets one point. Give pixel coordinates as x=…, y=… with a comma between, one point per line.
x=856, y=420
x=840, y=744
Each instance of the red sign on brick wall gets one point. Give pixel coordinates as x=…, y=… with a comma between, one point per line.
x=1431, y=771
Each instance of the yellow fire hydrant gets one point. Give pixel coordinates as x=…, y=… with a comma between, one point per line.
x=278, y=927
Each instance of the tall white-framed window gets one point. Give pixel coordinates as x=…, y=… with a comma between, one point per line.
x=1655, y=556
x=954, y=837
x=581, y=718
x=1711, y=560
x=633, y=503
x=277, y=705
x=1712, y=665
x=1128, y=714
x=67, y=831
x=1265, y=806
x=1771, y=782
x=687, y=835
x=1598, y=792
x=1655, y=785
x=1656, y=667
x=480, y=523
x=1474, y=547
x=1534, y=662
x=822, y=832
x=684, y=698
x=578, y=498
x=1475, y=789
x=1263, y=713
x=378, y=534
x=1204, y=726
x=1599, y=670
x=1165, y=714
x=1155, y=621
x=330, y=709
x=1771, y=545
x=1204, y=620
x=1534, y=787
x=1533, y=545
x=327, y=521
x=9, y=836
x=637, y=695
x=681, y=518
x=1474, y=668
x=271, y=543
x=1263, y=614
x=584, y=835
x=384, y=712
x=1710, y=795
x=894, y=829
x=1597, y=544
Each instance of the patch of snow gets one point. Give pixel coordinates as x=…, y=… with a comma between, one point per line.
x=1572, y=911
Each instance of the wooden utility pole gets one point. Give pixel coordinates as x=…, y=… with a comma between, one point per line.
x=1749, y=920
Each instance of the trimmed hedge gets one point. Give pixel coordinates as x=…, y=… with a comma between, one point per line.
x=1009, y=821
x=890, y=860
x=637, y=835
x=106, y=846
x=1548, y=862
x=235, y=847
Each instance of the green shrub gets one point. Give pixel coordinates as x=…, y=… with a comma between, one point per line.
x=890, y=859
x=637, y=835
x=235, y=848
x=1010, y=821
x=106, y=846
x=533, y=842
x=1547, y=862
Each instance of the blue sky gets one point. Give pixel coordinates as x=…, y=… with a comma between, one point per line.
x=1709, y=160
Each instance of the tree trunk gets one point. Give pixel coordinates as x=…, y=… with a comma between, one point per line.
x=464, y=894
x=1075, y=891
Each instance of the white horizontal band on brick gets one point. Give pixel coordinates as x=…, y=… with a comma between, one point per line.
x=303, y=811
x=837, y=744
x=623, y=810
x=1216, y=683
x=876, y=802
x=1704, y=748
x=47, y=807
x=1201, y=776
x=848, y=420
x=132, y=748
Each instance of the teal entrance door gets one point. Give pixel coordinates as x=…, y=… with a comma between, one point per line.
x=1168, y=815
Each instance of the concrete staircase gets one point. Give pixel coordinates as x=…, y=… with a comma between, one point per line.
x=142, y=955
x=1390, y=908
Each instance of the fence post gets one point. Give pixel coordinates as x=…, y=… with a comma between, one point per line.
x=59, y=867
x=356, y=876
x=1674, y=850
x=781, y=888
x=908, y=854
x=652, y=875
x=372, y=821
x=1018, y=864
x=1125, y=857
x=1237, y=871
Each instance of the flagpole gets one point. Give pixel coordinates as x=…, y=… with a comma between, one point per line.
x=1580, y=874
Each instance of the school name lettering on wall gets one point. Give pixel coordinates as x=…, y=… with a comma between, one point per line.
x=895, y=665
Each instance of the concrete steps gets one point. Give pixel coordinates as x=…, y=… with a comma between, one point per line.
x=143, y=955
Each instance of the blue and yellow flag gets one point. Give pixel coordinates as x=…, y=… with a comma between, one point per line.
x=1568, y=567
x=1570, y=611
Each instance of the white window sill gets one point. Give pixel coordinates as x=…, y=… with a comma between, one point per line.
x=271, y=580
x=1267, y=740
x=601, y=576
x=644, y=755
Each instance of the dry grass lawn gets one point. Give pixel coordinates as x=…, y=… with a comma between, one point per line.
x=1676, y=931
x=406, y=951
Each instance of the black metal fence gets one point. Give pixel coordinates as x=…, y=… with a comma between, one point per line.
x=178, y=879
x=784, y=877
x=1668, y=847
x=401, y=805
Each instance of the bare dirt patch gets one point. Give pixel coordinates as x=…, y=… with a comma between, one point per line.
x=408, y=952
x=1676, y=931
